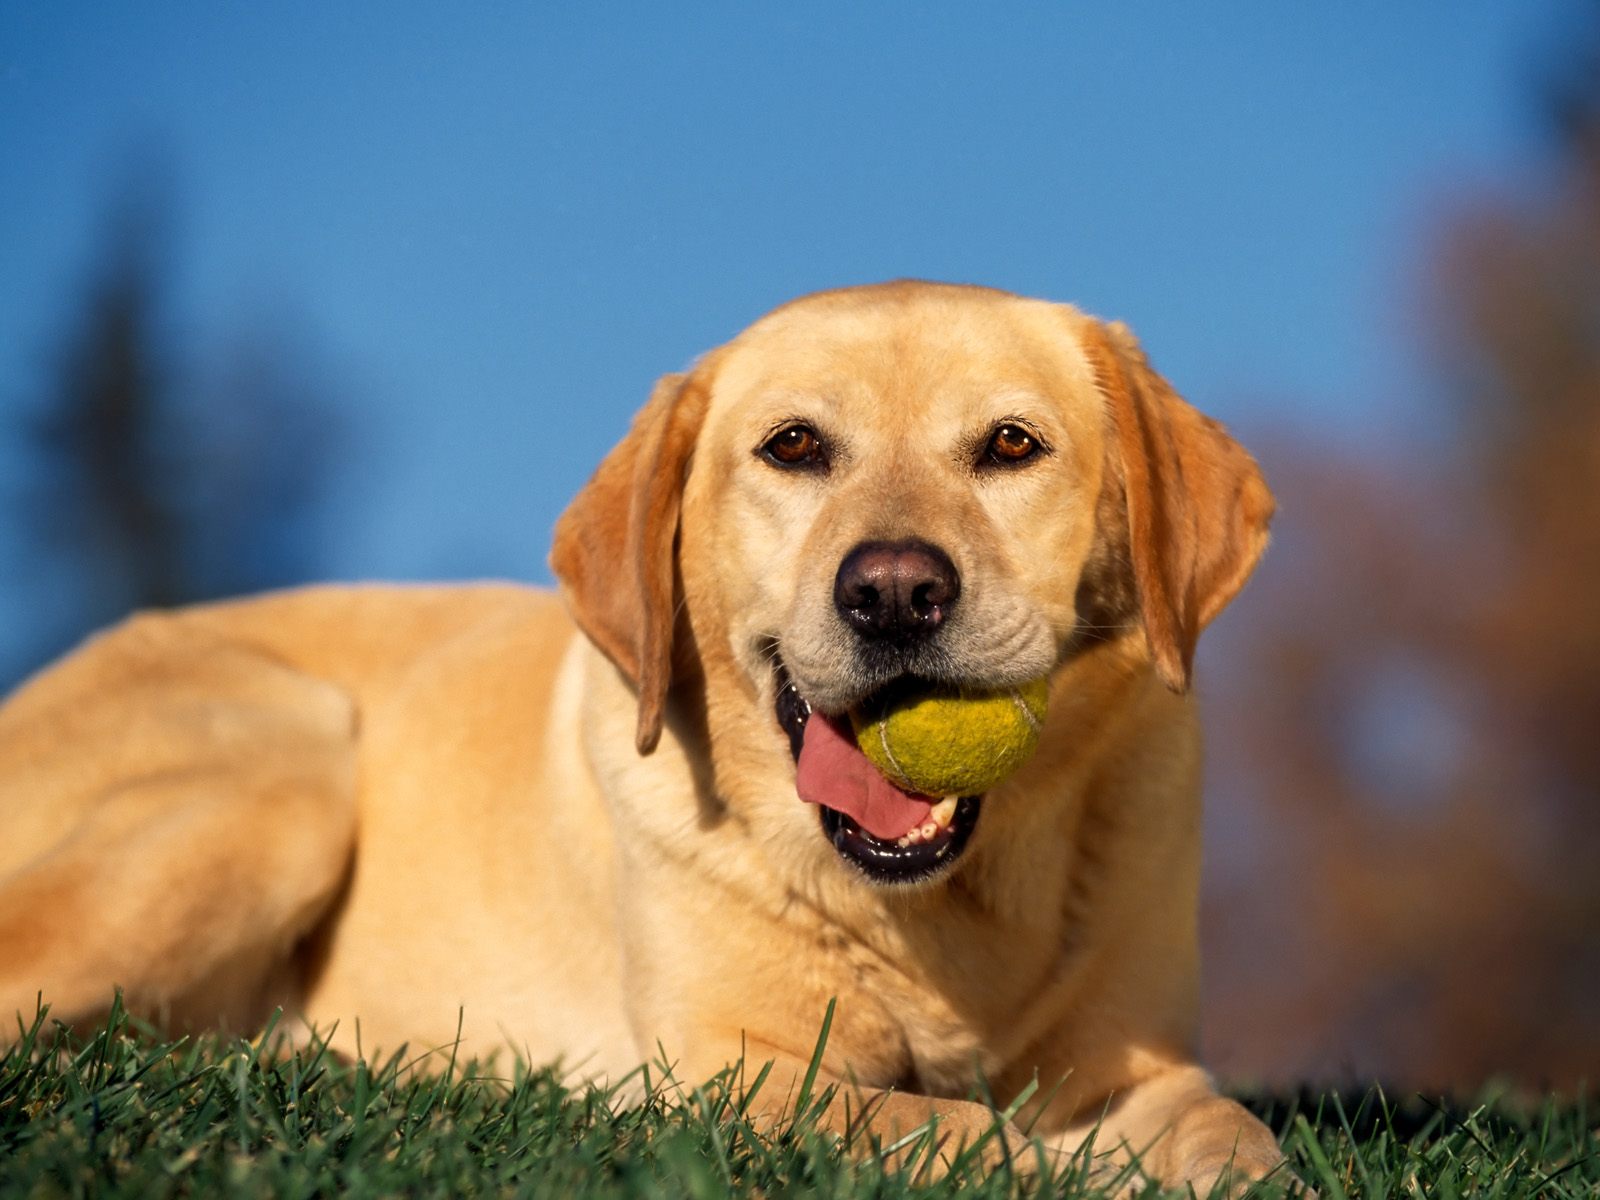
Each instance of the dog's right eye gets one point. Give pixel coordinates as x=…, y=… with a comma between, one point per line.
x=795, y=446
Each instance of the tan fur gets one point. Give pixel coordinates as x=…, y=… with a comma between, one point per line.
x=397, y=805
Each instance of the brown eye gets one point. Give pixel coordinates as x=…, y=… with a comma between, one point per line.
x=1011, y=444
x=796, y=446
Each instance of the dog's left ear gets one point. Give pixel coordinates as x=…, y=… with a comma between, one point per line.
x=614, y=546
x=1197, y=505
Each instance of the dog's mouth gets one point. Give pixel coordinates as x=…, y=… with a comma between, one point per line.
x=886, y=833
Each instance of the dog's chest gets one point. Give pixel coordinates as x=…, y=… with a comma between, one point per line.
x=907, y=1031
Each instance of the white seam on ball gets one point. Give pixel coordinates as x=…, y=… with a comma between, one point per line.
x=1027, y=713
x=883, y=740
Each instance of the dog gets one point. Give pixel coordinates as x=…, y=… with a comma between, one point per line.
x=569, y=826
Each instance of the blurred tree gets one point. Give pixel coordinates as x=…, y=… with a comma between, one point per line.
x=167, y=473
x=105, y=494
x=256, y=462
x=1424, y=661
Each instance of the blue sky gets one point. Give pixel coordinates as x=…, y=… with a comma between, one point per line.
x=499, y=223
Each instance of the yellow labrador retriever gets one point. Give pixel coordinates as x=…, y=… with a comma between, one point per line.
x=578, y=823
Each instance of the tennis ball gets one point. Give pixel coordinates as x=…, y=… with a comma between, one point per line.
x=949, y=743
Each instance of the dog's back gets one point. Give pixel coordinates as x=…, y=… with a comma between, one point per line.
x=182, y=797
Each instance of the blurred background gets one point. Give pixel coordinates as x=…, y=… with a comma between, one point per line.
x=306, y=291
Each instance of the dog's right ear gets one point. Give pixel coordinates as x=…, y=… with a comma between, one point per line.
x=614, y=547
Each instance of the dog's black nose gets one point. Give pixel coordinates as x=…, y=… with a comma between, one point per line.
x=896, y=590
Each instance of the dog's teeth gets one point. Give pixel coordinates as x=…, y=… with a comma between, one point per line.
x=939, y=818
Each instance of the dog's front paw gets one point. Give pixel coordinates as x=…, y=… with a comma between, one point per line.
x=950, y=1137
x=1234, y=1173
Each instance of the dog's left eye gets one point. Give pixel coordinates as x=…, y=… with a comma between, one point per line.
x=795, y=446
x=1009, y=445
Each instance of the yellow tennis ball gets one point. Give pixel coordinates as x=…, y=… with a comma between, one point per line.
x=944, y=743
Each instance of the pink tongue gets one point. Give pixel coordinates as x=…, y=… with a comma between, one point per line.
x=834, y=773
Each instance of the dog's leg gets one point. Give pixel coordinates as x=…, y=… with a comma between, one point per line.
x=872, y=1121
x=1181, y=1132
x=180, y=811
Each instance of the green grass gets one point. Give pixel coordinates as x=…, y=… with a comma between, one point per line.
x=124, y=1113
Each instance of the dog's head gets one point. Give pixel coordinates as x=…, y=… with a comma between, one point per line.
x=906, y=485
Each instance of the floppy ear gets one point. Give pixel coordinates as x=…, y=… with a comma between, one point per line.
x=1197, y=506
x=613, y=551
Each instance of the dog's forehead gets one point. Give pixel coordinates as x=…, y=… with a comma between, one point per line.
x=906, y=341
